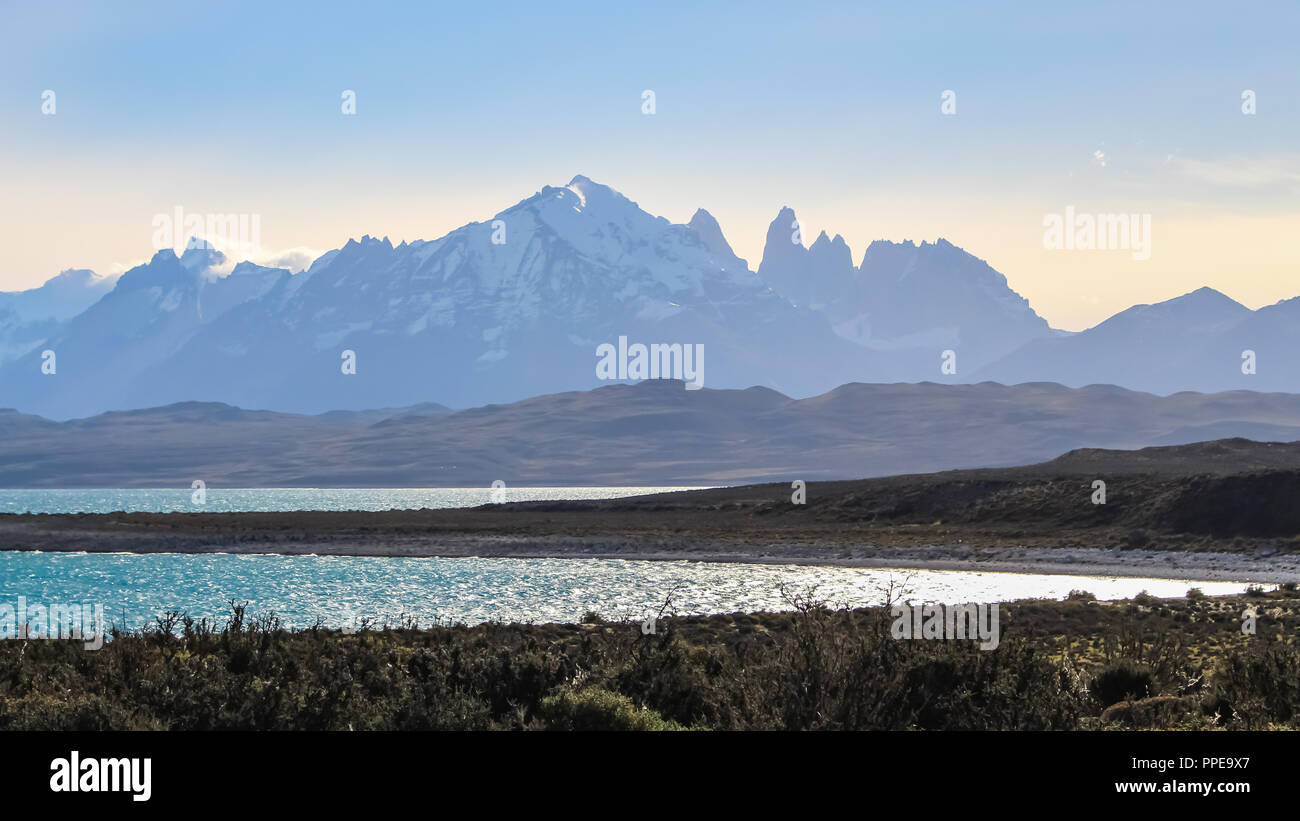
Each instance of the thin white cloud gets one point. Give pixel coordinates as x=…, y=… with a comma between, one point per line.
x=1242, y=172
x=119, y=268
x=296, y=260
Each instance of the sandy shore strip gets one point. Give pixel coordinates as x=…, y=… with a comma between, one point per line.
x=1074, y=561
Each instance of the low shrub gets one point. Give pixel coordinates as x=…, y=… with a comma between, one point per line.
x=1155, y=713
x=1123, y=680
x=594, y=708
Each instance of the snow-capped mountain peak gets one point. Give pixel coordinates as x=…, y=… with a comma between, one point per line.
x=517, y=304
x=511, y=306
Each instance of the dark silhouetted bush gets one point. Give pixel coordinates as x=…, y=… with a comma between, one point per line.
x=1123, y=680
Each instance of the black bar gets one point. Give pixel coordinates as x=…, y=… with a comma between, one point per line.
x=437, y=771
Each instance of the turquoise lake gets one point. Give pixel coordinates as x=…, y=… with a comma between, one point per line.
x=346, y=590
x=236, y=500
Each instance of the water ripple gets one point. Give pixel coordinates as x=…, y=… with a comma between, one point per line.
x=342, y=590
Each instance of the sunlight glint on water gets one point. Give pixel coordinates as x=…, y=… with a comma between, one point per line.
x=228, y=500
x=344, y=589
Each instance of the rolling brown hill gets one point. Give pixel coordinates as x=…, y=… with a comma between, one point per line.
x=652, y=433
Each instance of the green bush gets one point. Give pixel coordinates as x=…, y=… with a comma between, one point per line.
x=594, y=708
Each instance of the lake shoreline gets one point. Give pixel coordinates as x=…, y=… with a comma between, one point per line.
x=1157, y=522
x=1068, y=561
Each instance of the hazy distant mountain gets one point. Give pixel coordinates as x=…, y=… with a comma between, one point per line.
x=153, y=310
x=649, y=433
x=914, y=301
x=28, y=318
x=1272, y=333
x=936, y=295
x=1192, y=342
x=710, y=234
x=809, y=277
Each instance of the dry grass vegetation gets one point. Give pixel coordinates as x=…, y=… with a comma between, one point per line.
x=1077, y=664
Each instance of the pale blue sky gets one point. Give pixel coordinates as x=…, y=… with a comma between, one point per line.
x=831, y=108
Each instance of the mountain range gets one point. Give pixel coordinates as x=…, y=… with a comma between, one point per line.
x=517, y=306
x=653, y=432
x=1200, y=341
x=28, y=318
